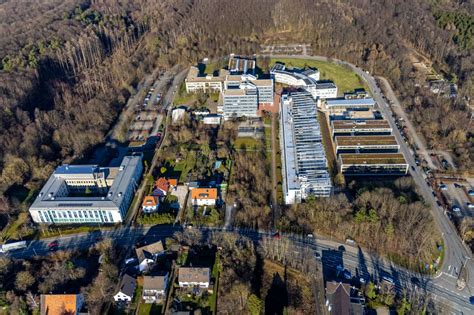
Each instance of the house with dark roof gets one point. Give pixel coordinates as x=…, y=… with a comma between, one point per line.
x=194, y=277
x=147, y=255
x=127, y=288
x=342, y=299
x=155, y=287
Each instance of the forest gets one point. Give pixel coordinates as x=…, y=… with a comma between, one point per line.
x=68, y=67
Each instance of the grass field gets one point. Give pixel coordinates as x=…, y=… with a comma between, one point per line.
x=248, y=142
x=345, y=79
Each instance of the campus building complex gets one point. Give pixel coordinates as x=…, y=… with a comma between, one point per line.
x=242, y=93
x=307, y=80
x=363, y=140
x=304, y=164
x=76, y=194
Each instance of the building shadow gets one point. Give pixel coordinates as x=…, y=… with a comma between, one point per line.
x=333, y=264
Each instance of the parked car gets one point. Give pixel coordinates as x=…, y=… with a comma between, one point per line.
x=471, y=193
x=471, y=300
x=388, y=279
x=458, y=185
x=456, y=208
x=443, y=187
x=470, y=205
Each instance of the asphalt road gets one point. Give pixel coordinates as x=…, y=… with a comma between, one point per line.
x=360, y=263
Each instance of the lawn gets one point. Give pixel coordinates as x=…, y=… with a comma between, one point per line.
x=345, y=79
x=150, y=308
x=248, y=142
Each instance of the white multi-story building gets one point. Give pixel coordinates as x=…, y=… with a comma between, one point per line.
x=240, y=102
x=304, y=164
x=79, y=194
x=308, y=80
x=209, y=83
x=243, y=95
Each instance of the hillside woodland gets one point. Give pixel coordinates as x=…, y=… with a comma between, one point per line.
x=68, y=67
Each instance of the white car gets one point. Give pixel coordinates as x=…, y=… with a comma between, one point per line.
x=470, y=205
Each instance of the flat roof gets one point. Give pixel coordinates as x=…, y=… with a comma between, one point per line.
x=325, y=85
x=365, y=140
x=47, y=197
x=358, y=124
x=232, y=92
x=369, y=102
x=305, y=159
x=372, y=158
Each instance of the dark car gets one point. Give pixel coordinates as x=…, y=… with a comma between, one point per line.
x=471, y=300
x=415, y=280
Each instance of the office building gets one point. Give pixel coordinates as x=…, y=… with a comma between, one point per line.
x=242, y=102
x=356, y=127
x=307, y=80
x=195, y=82
x=304, y=164
x=343, y=104
x=366, y=144
x=372, y=164
x=241, y=64
x=81, y=194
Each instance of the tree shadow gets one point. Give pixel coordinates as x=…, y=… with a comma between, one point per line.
x=277, y=296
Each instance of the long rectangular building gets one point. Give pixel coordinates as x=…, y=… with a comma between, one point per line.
x=366, y=144
x=84, y=194
x=343, y=104
x=304, y=163
x=372, y=164
x=356, y=127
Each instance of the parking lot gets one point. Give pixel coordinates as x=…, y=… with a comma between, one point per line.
x=456, y=196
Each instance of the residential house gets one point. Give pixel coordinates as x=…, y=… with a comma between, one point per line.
x=204, y=196
x=342, y=299
x=59, y=304
x=147, y=255
x=128, y=284
x=150, y=204
x=161, y=187
x=155, y=287
x=194, y=277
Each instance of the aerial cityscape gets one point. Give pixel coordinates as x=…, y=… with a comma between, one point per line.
x=236, y=157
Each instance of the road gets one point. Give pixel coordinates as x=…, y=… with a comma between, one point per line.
x=359, y=262
x=398, y=110
x=167, y=101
